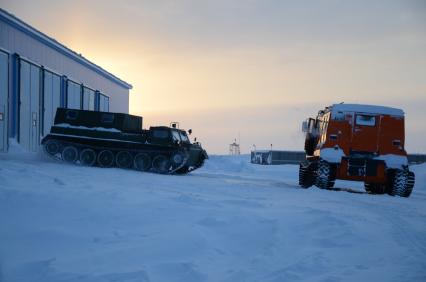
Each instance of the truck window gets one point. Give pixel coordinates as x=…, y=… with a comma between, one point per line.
x=323, y=126
x=365, y=120
x=339, y=116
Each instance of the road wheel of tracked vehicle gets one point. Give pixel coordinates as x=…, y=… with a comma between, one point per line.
x=374, y=188
x=124, y=159
x=106, y=158
x=177, y=159
x=142, y=162
x=70, y=154
x=306, y=175
x=161, y=164
x=52, y=147
x=325, y=175
x=88, y=157
x=401, y=182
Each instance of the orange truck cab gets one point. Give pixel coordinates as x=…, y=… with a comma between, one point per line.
x=360, y=143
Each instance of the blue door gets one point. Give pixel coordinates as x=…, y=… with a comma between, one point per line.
x=4, y=83
x=51, y=99
x=29, y=107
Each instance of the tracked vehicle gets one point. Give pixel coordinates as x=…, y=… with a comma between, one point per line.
x=359, y=143
x=107, y=139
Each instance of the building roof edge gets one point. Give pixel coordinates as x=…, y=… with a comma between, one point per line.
x=45, y=39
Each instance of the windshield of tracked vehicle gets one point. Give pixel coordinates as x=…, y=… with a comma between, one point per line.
x=159, y=133
x=184, y=137
x=176, y=136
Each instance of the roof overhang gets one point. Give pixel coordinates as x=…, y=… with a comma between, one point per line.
x=370, y=109
x=52, y=43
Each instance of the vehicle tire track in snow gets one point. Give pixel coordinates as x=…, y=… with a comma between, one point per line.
x=416, y=243
x=233, y=179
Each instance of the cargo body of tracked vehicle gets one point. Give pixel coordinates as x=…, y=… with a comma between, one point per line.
x=117, y=140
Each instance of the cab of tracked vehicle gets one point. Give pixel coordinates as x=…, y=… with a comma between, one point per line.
x=167, y=135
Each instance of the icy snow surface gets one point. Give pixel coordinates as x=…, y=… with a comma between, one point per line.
x=229, y=221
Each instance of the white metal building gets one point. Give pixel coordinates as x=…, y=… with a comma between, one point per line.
x=39, y=74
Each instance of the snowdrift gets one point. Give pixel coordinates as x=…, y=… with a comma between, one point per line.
x=228, y=221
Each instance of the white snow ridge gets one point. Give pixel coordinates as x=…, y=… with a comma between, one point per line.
x=228, y=221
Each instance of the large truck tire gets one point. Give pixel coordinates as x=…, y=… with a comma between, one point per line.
x=401, y=182
x=306, y=175
x=326, y=175
x=374, y=188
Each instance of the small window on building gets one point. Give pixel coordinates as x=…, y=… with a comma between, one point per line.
x=88, y=99
x=366, y=120
x=103, y=103
x=106, y=107
x=73, y=95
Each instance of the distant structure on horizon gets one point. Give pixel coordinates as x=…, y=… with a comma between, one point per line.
x=234, y=148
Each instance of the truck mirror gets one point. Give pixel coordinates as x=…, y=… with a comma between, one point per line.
x=190, y=131
x=305, y=126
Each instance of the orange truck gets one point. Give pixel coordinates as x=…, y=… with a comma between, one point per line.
x=359, y=143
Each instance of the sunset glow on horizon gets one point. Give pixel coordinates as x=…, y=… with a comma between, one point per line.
x=249, y=69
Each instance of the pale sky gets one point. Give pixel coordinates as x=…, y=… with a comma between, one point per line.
x=249, y=69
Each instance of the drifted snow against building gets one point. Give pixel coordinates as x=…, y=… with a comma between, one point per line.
x=39, y=74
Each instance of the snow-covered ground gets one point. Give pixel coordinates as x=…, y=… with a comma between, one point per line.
x=229, y=221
